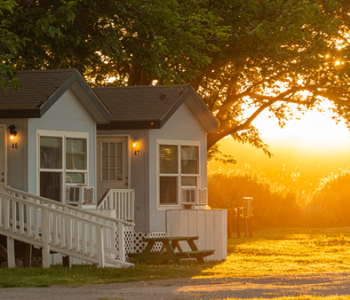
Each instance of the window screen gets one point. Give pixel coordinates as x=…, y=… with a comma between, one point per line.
x=76, y=154
x=50, y=152
x=73, y=177
x=168, y=190
x=189, y=160
x=50, y=185
x=188, y=181
x=168, y=160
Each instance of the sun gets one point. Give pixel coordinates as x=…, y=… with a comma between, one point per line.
x=313, y=130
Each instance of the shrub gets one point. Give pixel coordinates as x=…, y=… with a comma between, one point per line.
x=330, y=204
x=274, y=204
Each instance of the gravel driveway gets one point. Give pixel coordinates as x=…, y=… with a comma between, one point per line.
x=320, y=284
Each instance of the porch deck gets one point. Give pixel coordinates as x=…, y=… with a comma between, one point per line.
x=60, y=228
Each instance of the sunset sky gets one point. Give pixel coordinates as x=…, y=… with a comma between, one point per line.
x=313, y=146
x=314, y=130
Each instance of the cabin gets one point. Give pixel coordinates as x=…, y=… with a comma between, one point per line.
x=81, y=167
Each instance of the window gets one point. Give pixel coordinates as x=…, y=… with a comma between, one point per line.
x=178, y=166
x=76, y=160
x=112, y=161
x=63, y=159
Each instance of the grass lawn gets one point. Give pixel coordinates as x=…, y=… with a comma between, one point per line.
x=291, y=298
x=270, y=252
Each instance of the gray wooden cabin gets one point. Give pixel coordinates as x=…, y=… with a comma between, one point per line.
x=130, y=154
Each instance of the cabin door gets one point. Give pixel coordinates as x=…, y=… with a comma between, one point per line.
x=112, y=164
x=2, y=156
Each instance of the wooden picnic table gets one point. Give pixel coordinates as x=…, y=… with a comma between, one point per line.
x=168, y=251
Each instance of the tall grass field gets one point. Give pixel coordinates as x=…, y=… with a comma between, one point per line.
x=283, y=202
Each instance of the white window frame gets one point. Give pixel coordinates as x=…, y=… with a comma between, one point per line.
x=63, y=170
x=178, y=143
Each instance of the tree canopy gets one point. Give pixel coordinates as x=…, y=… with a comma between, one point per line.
x=135, y=41
x=280, y=54
x=10, y=44
x=243, y=57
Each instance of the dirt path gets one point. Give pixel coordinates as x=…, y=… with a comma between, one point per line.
x=323, y=284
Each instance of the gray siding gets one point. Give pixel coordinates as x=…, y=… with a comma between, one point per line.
x=17, y=159
x=67, y=114
x=181, y=126
x=138, y=175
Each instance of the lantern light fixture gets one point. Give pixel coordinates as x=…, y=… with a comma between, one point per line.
x=135, y=142
x=135, y=145
x=13, y=131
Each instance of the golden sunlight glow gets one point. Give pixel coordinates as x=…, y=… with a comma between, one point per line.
x=111, y=79
x=313, y=130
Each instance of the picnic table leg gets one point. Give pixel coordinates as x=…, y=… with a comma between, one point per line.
x=149, y=247
x=192, y=245
x=147, y=251
x=200, y=259
x=176, y=244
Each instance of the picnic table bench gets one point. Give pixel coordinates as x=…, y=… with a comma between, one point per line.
x=168, y=251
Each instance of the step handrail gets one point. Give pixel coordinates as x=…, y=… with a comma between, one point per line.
x=44, y=232
x=62, y=212
x=19, y=192
x=122, y=200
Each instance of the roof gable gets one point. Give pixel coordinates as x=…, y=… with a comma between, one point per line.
x=42, y=88
x=147, y=107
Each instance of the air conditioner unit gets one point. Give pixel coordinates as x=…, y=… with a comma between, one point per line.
x=189, y=196
x=194, y=196
x=79, y=194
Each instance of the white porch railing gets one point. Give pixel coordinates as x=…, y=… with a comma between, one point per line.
x=62, y=228
x=122, y=201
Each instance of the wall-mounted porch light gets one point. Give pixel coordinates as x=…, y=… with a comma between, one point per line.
x=135, y=145
x=13, y=132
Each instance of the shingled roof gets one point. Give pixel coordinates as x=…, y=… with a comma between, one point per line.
x=134, y=107
x=142, y=107
x=41, y=89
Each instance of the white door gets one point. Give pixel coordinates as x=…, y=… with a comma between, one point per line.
x=2, y=156
x=112, y=164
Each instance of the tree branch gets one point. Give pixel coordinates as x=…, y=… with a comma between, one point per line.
x=214, y=137
x=281, y=97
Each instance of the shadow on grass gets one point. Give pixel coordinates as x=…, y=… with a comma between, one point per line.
x=88, y=274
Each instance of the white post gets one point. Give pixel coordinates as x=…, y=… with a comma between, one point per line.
x=132, y=196
x=11, y=252
x=100, y=247
x=45, y=231
x=6, y=214
x=121, y=241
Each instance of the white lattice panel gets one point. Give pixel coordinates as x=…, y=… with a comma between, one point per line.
x=128, y=240
x=133, y=241
x=139, y=244
x=157, y=246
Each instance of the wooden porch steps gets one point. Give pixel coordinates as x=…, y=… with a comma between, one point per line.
x=58, y=228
